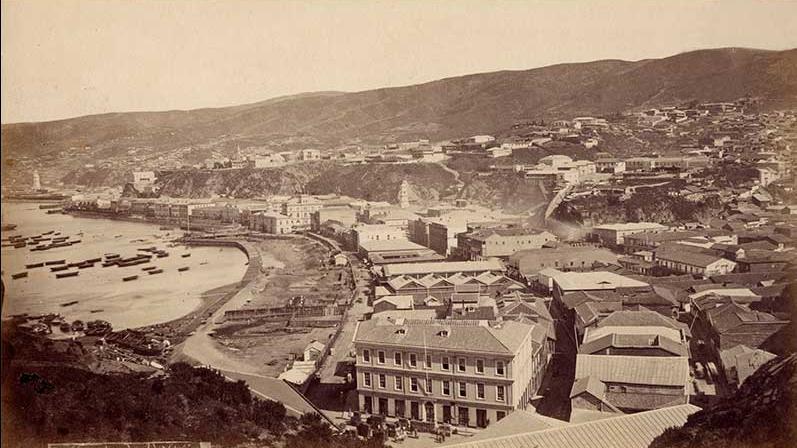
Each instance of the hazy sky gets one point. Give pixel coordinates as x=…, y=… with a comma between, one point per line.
x=64, y=58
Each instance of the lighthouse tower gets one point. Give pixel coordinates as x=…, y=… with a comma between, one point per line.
x=404, y=194
x=37, y=182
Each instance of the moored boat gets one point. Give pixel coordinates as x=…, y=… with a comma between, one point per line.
x=34, y=265
x=67, y=274
x=155, y=271
x=69, y=303
x=182, y=269
x=54, y=262
x=19, y=275
x=129, y=278
x=58, y=268
x=186, y=255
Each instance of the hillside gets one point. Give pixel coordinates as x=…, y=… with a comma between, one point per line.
x=760, y=414
x=453, y=107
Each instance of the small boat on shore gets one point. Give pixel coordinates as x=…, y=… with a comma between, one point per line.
x=58, y=268
x=149, y=268
x=182, y=269
x=67, y=274
x=129, y=278
x=185, y=255
x=34, y=265
x=19, y=275
x=69, y=303
x=85, y=265
x=54, y=262
x=78, y=325
x=155, y=271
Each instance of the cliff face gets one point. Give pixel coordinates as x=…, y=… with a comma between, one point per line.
x=242, y=183
x=374, y=182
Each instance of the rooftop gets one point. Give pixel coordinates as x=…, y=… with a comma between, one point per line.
x=442, y=267
x=574, y=281
x=631, y=226
x=644, y=370
x=624, y=431
x=462, y=335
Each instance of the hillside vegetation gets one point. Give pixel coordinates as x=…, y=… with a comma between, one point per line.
x=447, y=108
x=760, y=414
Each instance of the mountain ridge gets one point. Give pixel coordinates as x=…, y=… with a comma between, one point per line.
x=440, y=109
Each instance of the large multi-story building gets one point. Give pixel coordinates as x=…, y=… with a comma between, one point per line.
x=613, y=235
x=470, y=373
x=301, y=208
x=501, y=243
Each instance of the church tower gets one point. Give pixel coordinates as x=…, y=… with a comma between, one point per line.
x=404, y=194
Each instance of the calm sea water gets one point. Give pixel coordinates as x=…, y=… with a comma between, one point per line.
x=100, y=291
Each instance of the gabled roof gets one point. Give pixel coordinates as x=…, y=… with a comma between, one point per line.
x=641, y=318
x=641, y=370
x=633, y=341
x=731, y=315
x=403, y=302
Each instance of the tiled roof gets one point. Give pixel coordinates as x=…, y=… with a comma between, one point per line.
x=467, y=336
x=636, y=341
x=647, y=370
x=624, y=431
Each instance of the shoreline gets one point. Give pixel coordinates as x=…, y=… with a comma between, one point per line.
x=210, y=300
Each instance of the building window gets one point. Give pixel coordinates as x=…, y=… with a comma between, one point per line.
x=414, y=384
x=382, y=381
x=367, y=355
x=463, y=391
x=413, y=360
x=399, y=383
x=499, y=393
x=367, y=379
x=429, y=385
x=380, y=357
x=499, y=368
x=445, y=365
x=447, y=388
x=428, y=361
x=461, y=364
x=480, y=391
x=479, y=366
x=397, y=358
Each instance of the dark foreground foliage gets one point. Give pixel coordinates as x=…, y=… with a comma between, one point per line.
x=761, y=414
x=57, y=403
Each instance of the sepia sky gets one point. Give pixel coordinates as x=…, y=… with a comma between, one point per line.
x=65, y=58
